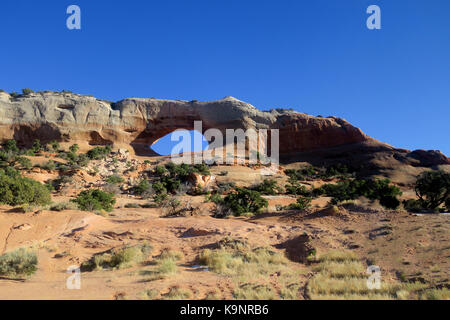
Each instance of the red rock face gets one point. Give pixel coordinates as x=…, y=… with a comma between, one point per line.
x=301, y=133
x=138, y=123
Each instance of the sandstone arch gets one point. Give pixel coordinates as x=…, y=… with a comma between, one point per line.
x=138, y=123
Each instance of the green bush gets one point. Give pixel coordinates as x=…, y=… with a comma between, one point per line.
x=372, y=189
x=18, y=263
x=301, y=204
x=215, y=198
x=93, y=200
x=433, y=188
x=55, y=145
x=99, y=153
x=24, y=163
x=115, y=179
x=74, y=148
x=27, y=91
x=17, y=190
x=245, y=201
x=11, y=146
x=50, y=165
x=142, y=187
x=297, y=189
x=37, y=147
x=268, y=187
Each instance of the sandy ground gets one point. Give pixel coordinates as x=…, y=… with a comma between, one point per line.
x=416, y=244
x=403, y=245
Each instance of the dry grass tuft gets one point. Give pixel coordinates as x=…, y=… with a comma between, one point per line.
x=341, y=276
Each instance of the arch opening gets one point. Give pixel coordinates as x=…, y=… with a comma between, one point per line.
x=178, y=141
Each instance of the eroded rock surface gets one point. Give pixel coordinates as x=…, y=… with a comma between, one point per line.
x=139, y=123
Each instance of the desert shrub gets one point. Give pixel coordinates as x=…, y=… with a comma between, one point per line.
x=436, y=294
x=172, y=176
x=91, y=200
x=302, y=203
x=160, y=170
x=340, y=275
x=111, y=188
x=50, y=165
x=54, y=145
x=142, y=187
x=27, y=91
x=245, y=201
x=60, y=182
x=223, y=187
x=24, y=163
x=74, y=148
x=166, y=264
x=172, y=207
x=302, y=174
x=11, y=146
x=268, y=187
x=99, y=153
x=297, y=189
x=215, y=198
x=17, y=190
x=18, y=263
x=372, y=189
x=37, y=147
x=114, y=179
x=119, y=258
x=433, y=188
x=338, y=170
x=61, y=206
x=242, y=261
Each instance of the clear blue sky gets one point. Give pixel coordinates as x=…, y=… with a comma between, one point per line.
x=315, y=56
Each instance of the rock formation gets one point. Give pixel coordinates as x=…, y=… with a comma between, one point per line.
x=139, y=123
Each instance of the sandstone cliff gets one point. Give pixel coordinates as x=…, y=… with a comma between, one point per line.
x=139, y=123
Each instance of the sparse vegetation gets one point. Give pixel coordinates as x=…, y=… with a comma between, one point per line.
x=176, y=293
x=99, y=153
x=340, y=275
x=17, y=190
x=120, y=258
x=268, y=187
x=245, y=201
x=94, y=199
x=115, y=179
x=61, y=206
x=302, y=203
x=433, y=189
x=19, y=263
x=376, y=189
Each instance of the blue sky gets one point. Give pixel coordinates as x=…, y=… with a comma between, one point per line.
x=315, y=56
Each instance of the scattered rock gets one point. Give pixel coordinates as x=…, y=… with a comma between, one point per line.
x=196, y=232
x=24, y=227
